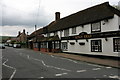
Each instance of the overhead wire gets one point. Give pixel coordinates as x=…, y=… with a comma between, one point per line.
x=37, y=14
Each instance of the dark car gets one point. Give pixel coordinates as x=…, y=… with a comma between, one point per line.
x=2, y=46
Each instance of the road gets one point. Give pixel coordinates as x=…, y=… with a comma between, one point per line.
x=29, y=64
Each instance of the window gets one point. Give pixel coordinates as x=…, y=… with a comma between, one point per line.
x=116, y=43
x=119, y=26
x=60, y=34
x=48, y=34
x=35, y=45
x=64, y=46
x=96, y=27
x=57, y=45
x=55, y=33
x=74, y=30
x=43, y=44
x=66, y=32
x=96, y=46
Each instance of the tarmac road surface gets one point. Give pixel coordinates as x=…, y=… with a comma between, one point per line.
x=29, y=64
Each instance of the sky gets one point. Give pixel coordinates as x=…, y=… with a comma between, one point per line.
x=16, y=15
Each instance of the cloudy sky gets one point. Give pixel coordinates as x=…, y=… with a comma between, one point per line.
x=24, y=14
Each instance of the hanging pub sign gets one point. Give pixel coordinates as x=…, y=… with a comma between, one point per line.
x=93, y=35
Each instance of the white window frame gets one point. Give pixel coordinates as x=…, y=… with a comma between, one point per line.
x=74, y=30
x=96, y=27
x=66, y=32
x=64, y=46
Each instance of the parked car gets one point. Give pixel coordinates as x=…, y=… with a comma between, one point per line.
x=10, y=45
x=16, y=46
x=2, y=46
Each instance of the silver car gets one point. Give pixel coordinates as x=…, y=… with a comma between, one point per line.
x=2, y=46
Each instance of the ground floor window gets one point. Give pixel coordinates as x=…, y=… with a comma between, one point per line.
x=57, y=44
x=43, y=44
x=35, y=45
x=116, y=44
x=96, y=46
x=64, y=46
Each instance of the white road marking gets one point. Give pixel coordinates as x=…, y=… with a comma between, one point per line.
x=69, y=60
x=96, y=69
x=108, y=67
x=61, y=74
x=114, y=77
x=95, y=65
x=81, y=70
x=104, y=75
x=50, y=66
x=40, y=77
x=65, y=59
x=28, y=56
x=10, y=68
x=52, y=56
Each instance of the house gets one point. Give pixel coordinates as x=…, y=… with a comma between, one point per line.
x=93, y=31
x=22, y=38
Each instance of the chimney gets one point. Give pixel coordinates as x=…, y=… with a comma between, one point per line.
x=24, y=31
x=19, y=33
x=57, y=16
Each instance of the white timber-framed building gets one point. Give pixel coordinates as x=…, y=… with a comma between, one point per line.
x=93, y=31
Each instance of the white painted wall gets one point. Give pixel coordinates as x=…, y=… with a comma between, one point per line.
x=111, y=25
x=107, y=47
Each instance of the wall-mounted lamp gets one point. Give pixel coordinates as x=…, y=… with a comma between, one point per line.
x=106, y=39
x=76, y=40
x=67, y=40
x=72, y=43
x=87, y=40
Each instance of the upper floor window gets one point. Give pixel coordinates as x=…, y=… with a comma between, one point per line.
x=66, y=32
x=48, y=34
x=74, y=30
x=96, y=27
x=55, y=33
x=61, y=33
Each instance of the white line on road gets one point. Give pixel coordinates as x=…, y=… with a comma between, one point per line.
x=28, y=56
x=108, y=67
x=50, y=66
x=52, y=56
x=96, y=68
x=114, y=77
x=95, y=65
x=10, y=68
x=81, y=70
x=65, y=59
x=40, y=77
x=61, y=74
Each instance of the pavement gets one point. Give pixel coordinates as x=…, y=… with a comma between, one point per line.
x=95, y=60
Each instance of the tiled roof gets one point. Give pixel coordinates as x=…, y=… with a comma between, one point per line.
x=89, y=15
x=37, y=32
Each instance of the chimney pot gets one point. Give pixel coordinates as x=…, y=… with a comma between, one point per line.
x=19, y=33
x=23, y=30
x=57, y=16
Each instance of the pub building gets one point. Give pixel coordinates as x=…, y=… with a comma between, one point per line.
x=93, y=31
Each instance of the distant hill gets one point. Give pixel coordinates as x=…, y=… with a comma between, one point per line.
x=5, y=37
